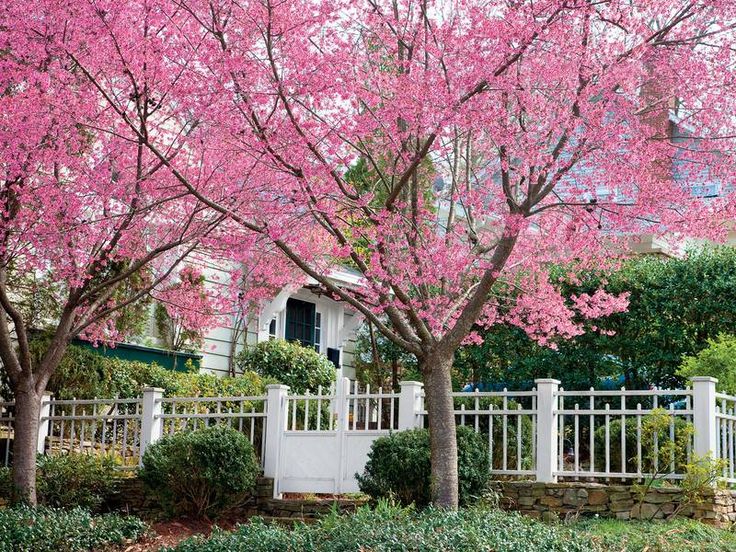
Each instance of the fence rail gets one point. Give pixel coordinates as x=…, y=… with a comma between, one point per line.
x=108, y=426
x=726, y=433
x=548, y=432
x=602, y=434
x=246, y=414
x=507, y=419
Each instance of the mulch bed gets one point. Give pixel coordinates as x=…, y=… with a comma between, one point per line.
x=171, y=533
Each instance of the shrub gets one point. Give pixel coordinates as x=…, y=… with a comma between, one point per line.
x=44, y=529
x=390, y=527
x=717, y=360
x=75, y=479
x=202, y=472
x=399, y=466
x=299, y=367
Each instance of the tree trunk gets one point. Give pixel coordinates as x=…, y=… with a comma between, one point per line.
x=27, y=409
x=442, y=439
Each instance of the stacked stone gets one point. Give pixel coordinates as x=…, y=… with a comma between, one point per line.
x=553, y=501
x=132, y=497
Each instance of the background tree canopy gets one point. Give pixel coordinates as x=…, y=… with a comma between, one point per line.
x=676, y=306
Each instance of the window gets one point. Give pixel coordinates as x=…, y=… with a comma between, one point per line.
x=300, y=322
x=272, y=329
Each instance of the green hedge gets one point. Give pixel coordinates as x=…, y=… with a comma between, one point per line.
x=44, y=529
x=399, y=466
x=85, y=374
x=201, y=472
x=400, y=529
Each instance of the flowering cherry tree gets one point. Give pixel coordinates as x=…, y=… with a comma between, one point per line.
x=90, y=223
x=450, y=151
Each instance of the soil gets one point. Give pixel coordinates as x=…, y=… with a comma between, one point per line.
x=171, y=533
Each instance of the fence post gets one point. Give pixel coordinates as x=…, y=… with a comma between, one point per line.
x=151, y=422
x=410, y=404
x=275, y=426
x=704, y=415
x=546, y=430
x=44, y=422
x=342, y=390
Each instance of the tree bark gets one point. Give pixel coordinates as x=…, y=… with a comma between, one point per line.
x=442, y=437
x=25, y=439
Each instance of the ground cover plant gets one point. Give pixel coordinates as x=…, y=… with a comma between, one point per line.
x=389, y=527
x=678, y=535
x=43, y=529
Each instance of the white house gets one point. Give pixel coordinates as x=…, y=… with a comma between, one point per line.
x=297, y=313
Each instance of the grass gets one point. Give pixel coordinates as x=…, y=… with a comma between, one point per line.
x=680, y=535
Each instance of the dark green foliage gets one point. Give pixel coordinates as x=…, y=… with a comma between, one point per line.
x=70, y=480
x=391, y=528
x=399, y=466
x=44, y=529
x=301, y=368
x=379, y=362
x=201, y=472
x=74, y=479
x=675, y=306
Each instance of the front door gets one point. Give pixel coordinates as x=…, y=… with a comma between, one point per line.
x=300, y=322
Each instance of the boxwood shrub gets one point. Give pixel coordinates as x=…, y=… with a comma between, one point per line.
x=44, y=529
x=201, y=472
x=390, y=527
x=301, y=368
x=399, y=466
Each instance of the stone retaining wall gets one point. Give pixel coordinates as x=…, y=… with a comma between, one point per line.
x=132, y=497
x=552, y=501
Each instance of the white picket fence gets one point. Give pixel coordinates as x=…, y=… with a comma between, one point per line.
x=317, y=442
